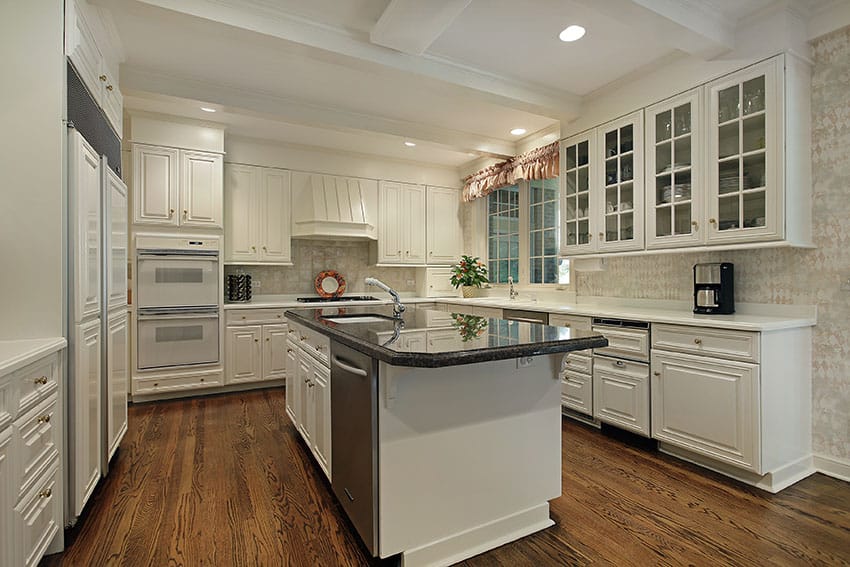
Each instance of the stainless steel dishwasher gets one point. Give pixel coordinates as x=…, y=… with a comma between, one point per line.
x=354, y=438
x=526, y=316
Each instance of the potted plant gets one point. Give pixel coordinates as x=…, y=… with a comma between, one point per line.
x=470, y=327
x=469, y=273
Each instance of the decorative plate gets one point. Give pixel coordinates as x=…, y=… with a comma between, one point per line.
x=330, y=283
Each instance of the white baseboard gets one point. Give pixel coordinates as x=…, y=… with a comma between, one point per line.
x=198, y=392
x=832, y=466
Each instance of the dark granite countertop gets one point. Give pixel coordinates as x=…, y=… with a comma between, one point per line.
x=429, y=338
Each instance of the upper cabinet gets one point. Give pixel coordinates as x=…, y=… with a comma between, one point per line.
x=88, y=59
x=444, y=239
x=401, y=223
x=177, y=188
x=727, y=163
x=257, y=222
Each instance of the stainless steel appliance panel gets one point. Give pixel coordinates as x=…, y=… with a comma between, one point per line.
x=177, y=338
x=526, y=316
x=354, y=438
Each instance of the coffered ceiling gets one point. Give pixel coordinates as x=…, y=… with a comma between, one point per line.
x=454, y=76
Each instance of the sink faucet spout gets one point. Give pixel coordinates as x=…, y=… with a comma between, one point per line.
x=398, y=308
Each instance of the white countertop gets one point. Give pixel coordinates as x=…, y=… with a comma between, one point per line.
x=749, y=316
x=18, y=353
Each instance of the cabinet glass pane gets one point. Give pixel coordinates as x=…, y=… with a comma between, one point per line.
x=611, y=227
x=663, y=185
x=663, y=125
x=683, y=152
x=754, y=175
x=728, y=176
x=583, y=154
x=570, y=212
x=626, y=197
x=662, y=157
x=572, y=233
x=571, y=157
x=611, y=199
x=683, y=218
x=583, y=209
x=611, y=143
x=627, y=230
x=729, y=213
x=754, y=133
x=754, y=207
x=754, y=95
x=626, y=139
x=583, y=182
x=570, y=182
x=611, y=171
x=583, y=232
x=626, y=168
x=663, y=221
x=728, y=104
x=682, y=119
x=682, y=187
x=727, y=140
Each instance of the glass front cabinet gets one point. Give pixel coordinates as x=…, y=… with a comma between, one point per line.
x=577, y=199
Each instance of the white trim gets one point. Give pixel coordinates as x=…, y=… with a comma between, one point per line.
x=835, y=467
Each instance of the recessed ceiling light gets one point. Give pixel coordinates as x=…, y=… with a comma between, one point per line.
x=572, y=33
x=518, y=131
x=207, y=109
x=409, y=144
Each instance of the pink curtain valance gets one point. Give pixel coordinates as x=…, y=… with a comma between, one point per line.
x=540, y=163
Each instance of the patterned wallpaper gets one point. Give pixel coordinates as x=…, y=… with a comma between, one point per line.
x=349, y=258
x=785, y=275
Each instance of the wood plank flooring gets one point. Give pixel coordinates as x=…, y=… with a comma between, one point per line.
x=225, y=481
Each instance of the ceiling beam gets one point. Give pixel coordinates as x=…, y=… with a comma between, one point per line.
x=347, y=47
x=411, y=26
x=691, y=26
x=304, y=113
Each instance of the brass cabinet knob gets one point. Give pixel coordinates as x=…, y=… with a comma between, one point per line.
x=399, y=252
x=102, y=78
x=311, y=384
x=601, y=235
x=657, y=373
x=695, y=224
x=202, y=379
x=185, y=213
x=306, y=380
x=303, y=338
x=155, y=384
x=279, y=315
x=697, y=341
x=265, y=249
x=289, y=350
x=256, y=340
x=45, y=493
x=42, y=380
x=589, y=237
x=44, y=419
x=170, y=213
x=109, y=87
x=253, y=248
x=267, y=339
x=712, y=221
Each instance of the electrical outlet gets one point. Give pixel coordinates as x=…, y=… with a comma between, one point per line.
x=256, y=284
x=525, y=362
x=845, y=282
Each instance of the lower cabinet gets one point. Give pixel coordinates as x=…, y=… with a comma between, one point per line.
x=85, y=416
x=293, y=403
x=621, y=393
x=254, y=353
x=117, y=373
x=577, y=391
x=709, y=406
x=5, y=505
x=37, y=517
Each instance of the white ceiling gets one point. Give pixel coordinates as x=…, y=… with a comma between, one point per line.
x=305, y=71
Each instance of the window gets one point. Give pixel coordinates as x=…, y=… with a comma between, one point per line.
x=522, y=234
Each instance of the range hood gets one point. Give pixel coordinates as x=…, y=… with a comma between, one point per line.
x=328, y=206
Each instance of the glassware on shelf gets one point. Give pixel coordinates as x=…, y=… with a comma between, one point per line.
x=728, y=104
x=754, y=95
x=682, y=119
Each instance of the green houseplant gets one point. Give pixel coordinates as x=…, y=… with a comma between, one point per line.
x=469, y=273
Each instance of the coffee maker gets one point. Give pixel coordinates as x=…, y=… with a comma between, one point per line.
x=714, y=291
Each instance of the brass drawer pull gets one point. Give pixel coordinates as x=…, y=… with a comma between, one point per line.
x=41, y=381
x=657, y=373
x=45, y=493
x=697, y=341
x=44, y=419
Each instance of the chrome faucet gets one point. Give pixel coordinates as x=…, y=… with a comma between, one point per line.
x=398, y=308
x=513, y=293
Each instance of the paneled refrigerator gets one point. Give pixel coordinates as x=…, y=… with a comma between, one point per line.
x=97, y=320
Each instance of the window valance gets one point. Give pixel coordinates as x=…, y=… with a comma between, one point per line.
x=539, y=163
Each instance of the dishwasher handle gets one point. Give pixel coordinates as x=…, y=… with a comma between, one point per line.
x=348, y=367
x=524, y=320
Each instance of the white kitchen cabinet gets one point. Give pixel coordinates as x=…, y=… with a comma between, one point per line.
x=306, y=399
x=621, y=394
x=293, y=391
x=155, y=185
x=257, y=215
x=274, y=351
x=577, y=392
x=401, y=223
x=6, y=514
x=619, y=210
x=112, y=101
x=709, y=406
x=117, y=378
x=116, y=239
x=84, y=206
x=491, y=312
x=201, y=189
x=243, y=361
x=444, y=229
x=86, y=404
x=675, y=189
x=320, y=392
x=177, y=188
x=579, y=190
x=37, y=517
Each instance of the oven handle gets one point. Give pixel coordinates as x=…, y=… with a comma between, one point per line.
x=187, y=257
x=153, y=253
x=171, y=316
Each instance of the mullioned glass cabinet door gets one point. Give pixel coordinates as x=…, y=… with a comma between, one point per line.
x=744, y=160
x=675, y=194
x=577, y=194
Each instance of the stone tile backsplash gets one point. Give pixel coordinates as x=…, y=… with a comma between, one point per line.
x=349, y=258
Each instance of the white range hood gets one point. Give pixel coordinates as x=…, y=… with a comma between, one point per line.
x=327, y=206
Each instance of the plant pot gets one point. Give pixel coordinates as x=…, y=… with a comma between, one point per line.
x=468, y=290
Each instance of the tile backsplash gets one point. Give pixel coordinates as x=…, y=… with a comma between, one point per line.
x=349, y=258
x=788, y=276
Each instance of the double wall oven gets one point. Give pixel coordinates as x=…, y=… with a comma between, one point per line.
x=177, y=294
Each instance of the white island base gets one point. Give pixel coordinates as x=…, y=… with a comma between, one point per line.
x=469, y=457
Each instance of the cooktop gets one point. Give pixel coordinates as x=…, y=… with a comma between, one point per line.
x=316, y=299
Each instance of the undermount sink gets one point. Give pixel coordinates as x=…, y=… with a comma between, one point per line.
x=361, y=318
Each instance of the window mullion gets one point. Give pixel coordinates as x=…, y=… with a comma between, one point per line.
x=524, y=240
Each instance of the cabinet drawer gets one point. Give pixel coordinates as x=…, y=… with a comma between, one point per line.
x=720, y=343
x=315, y=344
x=577, y=392
x=37, y=515
x=34, y=442
x=165, y=384
x=438, y=319
x=572, y=321
x=621, y=394
x=574, y=362
x=35, y=382
x=491, y=312
x=624, y=342
x=255, y=316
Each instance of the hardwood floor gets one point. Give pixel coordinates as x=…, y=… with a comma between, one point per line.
x=224, y=481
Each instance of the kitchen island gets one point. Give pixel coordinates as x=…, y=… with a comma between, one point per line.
x=445, y=428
